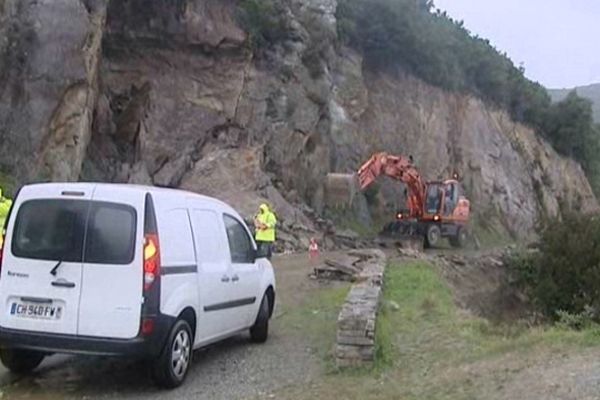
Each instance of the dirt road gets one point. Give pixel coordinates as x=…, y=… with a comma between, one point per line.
x=235, y=369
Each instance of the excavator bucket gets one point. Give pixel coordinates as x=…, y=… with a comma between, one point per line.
x=340, y=189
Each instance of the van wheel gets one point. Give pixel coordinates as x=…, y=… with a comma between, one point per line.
x=259, y=332
x=171, y=367
x=21, y=361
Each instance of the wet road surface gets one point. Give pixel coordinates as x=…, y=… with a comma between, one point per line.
x=234, y=369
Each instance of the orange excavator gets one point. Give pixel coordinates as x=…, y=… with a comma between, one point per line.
x=434, y=210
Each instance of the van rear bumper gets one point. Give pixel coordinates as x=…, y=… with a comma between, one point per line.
x=140, y=347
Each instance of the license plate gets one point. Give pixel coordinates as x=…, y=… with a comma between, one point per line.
x=35, y=311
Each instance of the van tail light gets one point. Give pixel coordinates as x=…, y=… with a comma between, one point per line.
x=150, y=272
x=151, y=260
x=147, y=326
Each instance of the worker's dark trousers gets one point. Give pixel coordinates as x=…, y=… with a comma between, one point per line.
x=265, y=248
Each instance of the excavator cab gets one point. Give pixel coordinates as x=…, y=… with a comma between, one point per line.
x=446, y=200
x=451, y=189
x=434, y=199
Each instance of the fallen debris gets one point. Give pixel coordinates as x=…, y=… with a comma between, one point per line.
x=410, y=253
x=355, y=265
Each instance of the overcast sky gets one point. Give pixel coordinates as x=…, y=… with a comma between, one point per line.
x=558, y=41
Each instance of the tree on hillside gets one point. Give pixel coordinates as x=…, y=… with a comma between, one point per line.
x=569, y=125
x=439, y=50
x=570, y=128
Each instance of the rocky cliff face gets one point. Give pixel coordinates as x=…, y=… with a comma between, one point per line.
x=169, y=93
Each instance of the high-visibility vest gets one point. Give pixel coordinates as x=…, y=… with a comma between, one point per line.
x=268, y=219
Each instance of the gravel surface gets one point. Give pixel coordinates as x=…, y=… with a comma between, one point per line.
x=234, y=369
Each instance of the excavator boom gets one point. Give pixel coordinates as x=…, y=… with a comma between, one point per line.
x=341, y=188
x=398, y=168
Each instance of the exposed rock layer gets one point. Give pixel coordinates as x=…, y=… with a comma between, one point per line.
x=170, y=94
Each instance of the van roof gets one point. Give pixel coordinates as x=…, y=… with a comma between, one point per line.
x=117, y=186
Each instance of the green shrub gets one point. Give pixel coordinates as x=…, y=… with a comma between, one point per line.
x=563, y=278
x=320, y=39
x=578, y=321
x=264, y=21
x=525, y=268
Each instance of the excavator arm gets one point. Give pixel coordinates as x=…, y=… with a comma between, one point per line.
x=398, y=168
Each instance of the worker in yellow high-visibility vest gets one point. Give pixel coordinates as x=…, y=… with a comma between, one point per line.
x=265, y=222
x=4, y=209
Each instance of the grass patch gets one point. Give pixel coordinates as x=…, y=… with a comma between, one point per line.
x=429, y=349
x=384, y=333
x=316, y=319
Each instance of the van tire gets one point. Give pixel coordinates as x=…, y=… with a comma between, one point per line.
x=170, y=374
x=21, y=361
x=259, y=332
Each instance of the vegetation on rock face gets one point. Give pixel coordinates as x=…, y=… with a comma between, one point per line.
x=264, y=21
x=441, y=51
x=563, y=277
x=410, y=35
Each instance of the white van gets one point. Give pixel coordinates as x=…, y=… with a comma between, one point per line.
x=127, y=270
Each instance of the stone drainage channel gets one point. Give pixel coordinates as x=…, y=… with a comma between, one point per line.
x=355, y=344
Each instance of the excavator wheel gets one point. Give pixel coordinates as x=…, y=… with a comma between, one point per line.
x=460, y=239
x=390, y=229
x=432, y=236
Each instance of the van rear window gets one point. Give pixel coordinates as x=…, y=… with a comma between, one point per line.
x=59, y=230
x=111, y=234
x=50, y=230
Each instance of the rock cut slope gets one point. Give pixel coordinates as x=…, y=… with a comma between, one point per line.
x=169, y=93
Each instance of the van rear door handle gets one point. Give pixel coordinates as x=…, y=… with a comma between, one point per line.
x=225, y=278
x=235, y=278
x=36, y=300
x=64, y=284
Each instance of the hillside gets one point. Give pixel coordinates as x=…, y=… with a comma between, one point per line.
x=173, y=94
x=590, y=92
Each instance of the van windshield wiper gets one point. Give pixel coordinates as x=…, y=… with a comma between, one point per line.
x=53, y=270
